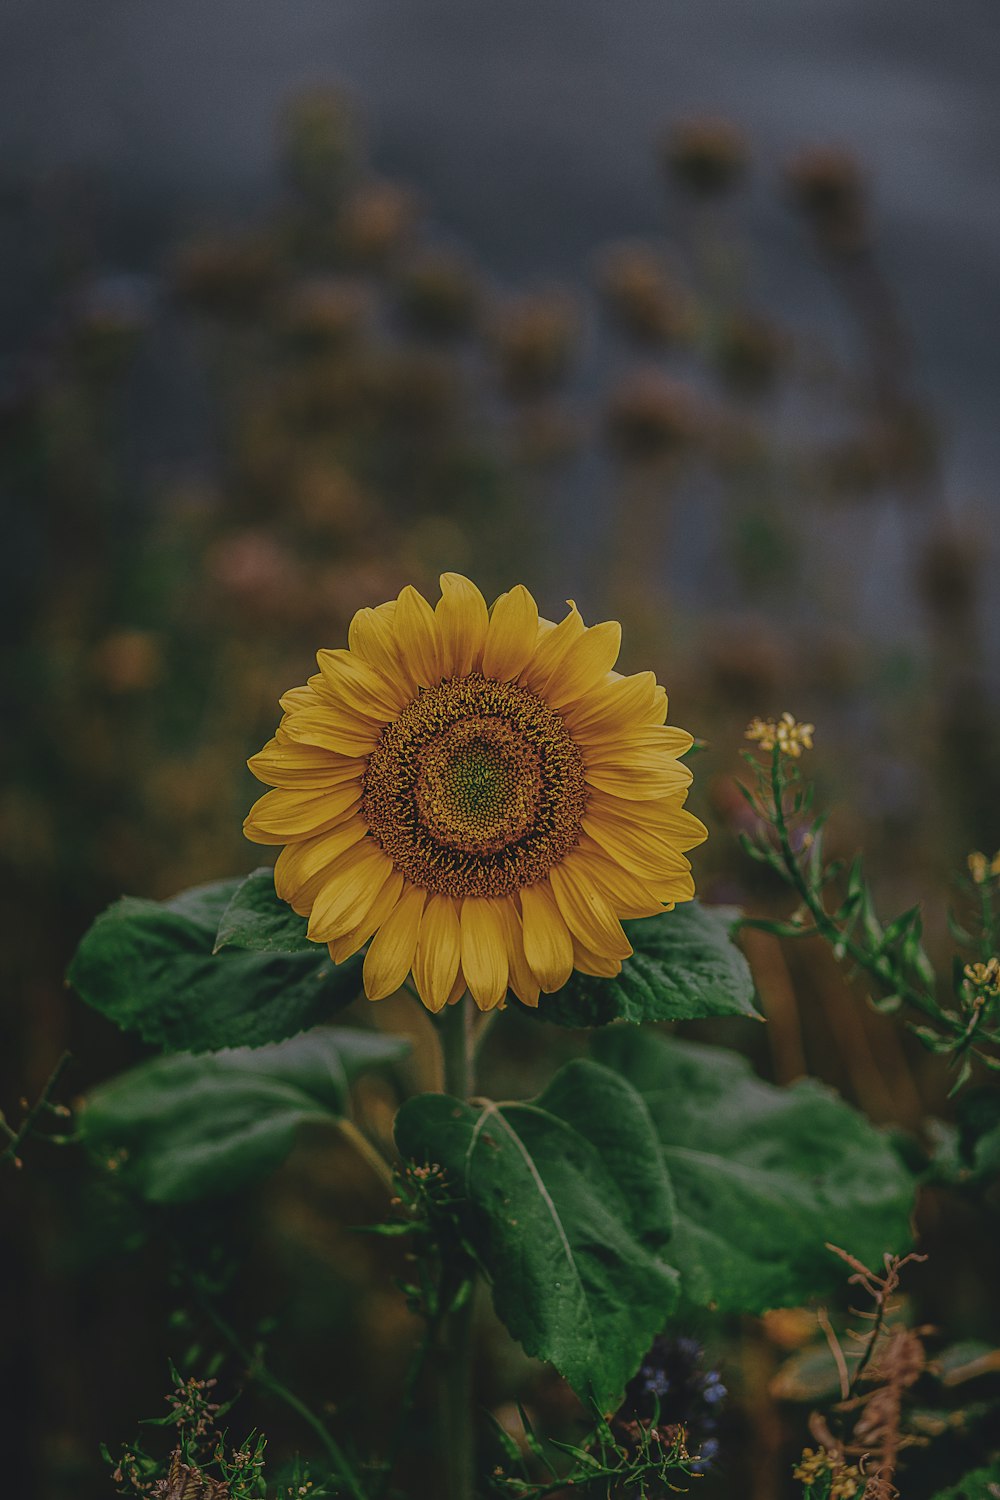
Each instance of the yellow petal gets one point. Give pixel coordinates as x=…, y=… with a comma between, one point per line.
x=296, y=698
x=435, y=963
x=639, y=783
x=284, y=764
x=594, y=963
x=459, y=989
x=331, y=729
x=551, y=646
x=512, y=633
x=587, y=661
x=417, y=637
x=666, y=816
x=484, y=952
x=341, y=948
x=521, y=980
x=617, y=707
x=548, y=946
x=347, y=893
x=350, y=679
x=629, y=895
x=646, y=852
x=462, y=619
x=282, y=817
x=302, y=868
x=587, y=912
x=371, y=636
x=665, y=740
x=390, y=955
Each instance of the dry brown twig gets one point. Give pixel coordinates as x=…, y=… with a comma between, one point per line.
x=891, y=1358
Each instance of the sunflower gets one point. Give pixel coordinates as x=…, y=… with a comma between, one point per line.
x=478, y=795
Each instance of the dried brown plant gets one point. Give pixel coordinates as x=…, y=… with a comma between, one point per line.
x=888, y=1359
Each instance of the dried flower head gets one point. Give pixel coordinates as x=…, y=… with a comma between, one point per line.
x=706, y=156
x=439, y=295
x=826, y=186
x=535, y=337
x=374, y=222
x=651, y=417
x=644, y=298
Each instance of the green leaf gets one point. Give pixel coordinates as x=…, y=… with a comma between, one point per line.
x=763, y=1176
x=189, y=1126
x=685, y=966
x=257, y=918
x=149, y=966
x=981, y=1484
x=567, y=1207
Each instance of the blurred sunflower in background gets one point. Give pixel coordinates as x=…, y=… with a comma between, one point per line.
x=479, y=793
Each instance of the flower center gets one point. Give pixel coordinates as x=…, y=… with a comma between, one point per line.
x=478, y=784
x=476, y=789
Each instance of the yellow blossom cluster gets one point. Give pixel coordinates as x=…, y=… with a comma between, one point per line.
x=983, y=869
x=984, y=978
x=846, y=1480
x=790, y=736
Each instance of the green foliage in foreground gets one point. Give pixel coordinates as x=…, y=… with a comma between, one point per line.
x=151, y=967
x=659, y=1173
x=229, y=965
x=188, y=1126
x=667, y=1164
x=763, y=1176
x=566, y=1206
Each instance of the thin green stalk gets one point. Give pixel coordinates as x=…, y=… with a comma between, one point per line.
x=259, y=1372
x=16, y=1138
x=827, y=927
x=368, y=1153
x=455, y=1398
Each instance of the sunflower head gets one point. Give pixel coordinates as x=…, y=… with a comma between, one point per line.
x=478, y=795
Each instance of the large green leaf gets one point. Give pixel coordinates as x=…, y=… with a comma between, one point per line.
x=763, y=1176
x=567, y=1207
x=188, y=1126
x=149, y=966
x=257, y=918
x=684, y=966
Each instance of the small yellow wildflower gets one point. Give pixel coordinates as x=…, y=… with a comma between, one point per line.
x=790, y=736
x=846, y=1479
x=984, y=978
x=982, y=869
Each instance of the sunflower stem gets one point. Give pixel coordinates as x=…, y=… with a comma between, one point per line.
x=455, y=1413
x=457, y=1023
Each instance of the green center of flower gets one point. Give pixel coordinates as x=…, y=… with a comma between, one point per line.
x=476, y=789
x=478, y=786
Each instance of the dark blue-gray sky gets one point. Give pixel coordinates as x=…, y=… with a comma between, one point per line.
x=527, y=126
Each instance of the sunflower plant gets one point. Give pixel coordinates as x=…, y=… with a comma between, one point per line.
x=471, y=805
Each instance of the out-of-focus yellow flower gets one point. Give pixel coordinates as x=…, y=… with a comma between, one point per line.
x=478, y=792
x=983, y=869
x=845, y=1480
x=790, y=736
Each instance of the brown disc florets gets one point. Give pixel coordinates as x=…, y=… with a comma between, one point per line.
x=476, y=789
